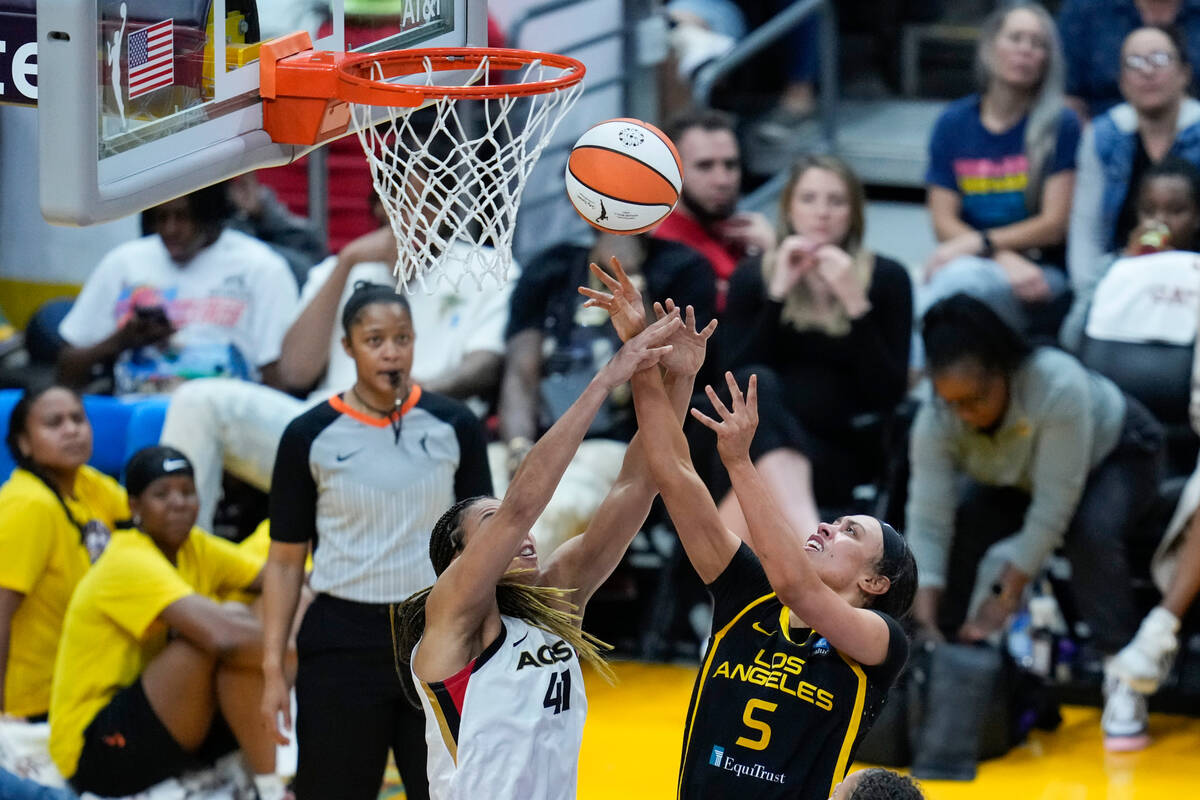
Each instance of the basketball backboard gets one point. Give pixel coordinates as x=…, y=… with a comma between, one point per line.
x=138, y=101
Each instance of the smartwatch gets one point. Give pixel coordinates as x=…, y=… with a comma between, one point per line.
x=988, y=249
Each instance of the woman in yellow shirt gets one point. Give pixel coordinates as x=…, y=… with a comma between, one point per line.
x=56, y=514
x=155, y=676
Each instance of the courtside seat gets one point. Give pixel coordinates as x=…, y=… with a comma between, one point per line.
x=119, y=428
x=145, y=424
x=1159, y=375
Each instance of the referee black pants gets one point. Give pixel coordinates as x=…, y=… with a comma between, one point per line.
x=352, y=705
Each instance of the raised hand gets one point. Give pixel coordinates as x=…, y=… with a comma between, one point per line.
x=624, y=304
x=736, y=429
x=795, y=257
x=688, y=346
x=641, y=352
x=836, y=268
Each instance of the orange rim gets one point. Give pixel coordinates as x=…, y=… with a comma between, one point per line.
x=358, y=80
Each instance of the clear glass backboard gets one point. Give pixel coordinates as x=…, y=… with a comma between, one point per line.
x=140, y=101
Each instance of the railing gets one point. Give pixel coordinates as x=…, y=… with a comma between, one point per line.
x=766, y=35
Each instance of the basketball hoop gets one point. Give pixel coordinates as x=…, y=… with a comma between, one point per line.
x=448, y=177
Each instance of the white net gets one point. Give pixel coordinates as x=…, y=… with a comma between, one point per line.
x=450, y=176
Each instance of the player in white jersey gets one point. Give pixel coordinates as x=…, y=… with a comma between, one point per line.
x=495, y=645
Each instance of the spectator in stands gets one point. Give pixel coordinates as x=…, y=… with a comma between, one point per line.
x=706, y=218
x=1158, y=119
x=826, y=325
x=1143, y=664
x=192, y=299
x=257, y=212
x=235, y=426
x=556, y=346
x=156, y=675
x=1001, y=171
x=707, y=29
x=1168, y=218
x=361, y=479
x=1092, y=33
x=1054, y=455
x=56, y=515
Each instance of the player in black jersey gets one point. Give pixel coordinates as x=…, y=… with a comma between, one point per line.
x=805, y=641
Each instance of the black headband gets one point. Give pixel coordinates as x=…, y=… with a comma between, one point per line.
x=893, y=544
x=151, y=463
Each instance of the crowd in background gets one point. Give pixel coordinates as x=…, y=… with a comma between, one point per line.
x=1025, y=393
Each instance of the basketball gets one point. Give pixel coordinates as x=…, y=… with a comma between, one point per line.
x=623, y=176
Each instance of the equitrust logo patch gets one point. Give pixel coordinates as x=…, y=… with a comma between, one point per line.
x=718, y=759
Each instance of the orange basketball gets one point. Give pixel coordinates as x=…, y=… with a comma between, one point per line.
x=624, y=176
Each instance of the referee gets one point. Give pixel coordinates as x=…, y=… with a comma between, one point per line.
x=361, y=478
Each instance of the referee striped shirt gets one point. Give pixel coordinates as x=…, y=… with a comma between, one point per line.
x=366, y=500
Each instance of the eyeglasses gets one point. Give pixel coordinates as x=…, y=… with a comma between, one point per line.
x=1151, y=62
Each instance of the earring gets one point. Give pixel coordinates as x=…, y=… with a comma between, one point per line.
x=137, y=521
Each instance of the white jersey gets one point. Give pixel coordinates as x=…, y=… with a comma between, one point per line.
x=510, y=724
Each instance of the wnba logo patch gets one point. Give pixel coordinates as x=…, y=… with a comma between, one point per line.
x=718, y=755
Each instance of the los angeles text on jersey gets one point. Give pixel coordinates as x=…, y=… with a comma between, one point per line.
x=779, y=671
x=727, y=763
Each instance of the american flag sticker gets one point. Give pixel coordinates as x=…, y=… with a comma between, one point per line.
x=151, y=58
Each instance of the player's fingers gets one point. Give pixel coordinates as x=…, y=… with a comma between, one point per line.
x=619, y=271
x=716, y=401
x=752, y=395
x=689, y=318
x=706, y=420
x=659, y=311
x=600, y=297
x=735, y=391
x=709, y=329
x=602, y=276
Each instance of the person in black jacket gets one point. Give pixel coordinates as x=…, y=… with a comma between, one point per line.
x=825, y=324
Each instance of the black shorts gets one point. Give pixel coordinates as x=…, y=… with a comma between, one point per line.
x=127, y=749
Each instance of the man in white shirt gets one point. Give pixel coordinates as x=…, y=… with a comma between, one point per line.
x=459, y=352
x=191, y=300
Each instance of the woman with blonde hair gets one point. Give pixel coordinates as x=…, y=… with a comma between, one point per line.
x=825, y=324
x=1001, y=172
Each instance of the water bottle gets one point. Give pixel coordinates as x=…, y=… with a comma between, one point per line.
x=1020, y=640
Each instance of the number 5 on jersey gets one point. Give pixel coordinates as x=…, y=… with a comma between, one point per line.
x=764, y=730
x=558, y=693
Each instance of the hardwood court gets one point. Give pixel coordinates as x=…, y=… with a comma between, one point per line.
x=635, y=729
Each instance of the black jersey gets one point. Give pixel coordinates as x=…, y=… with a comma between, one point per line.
x=776, y=711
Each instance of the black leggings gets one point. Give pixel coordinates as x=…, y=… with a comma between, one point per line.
x=352, y=706
x=1106, y=542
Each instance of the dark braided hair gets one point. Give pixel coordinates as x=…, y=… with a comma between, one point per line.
x=962, y=328
x=366, y=293
x=540, y=606
x=18, y=424
x=883, y=784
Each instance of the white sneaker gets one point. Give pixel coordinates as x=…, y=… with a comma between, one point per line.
x=1146, y=660
x=1125, y=718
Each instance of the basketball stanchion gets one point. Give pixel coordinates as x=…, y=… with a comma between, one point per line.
x=451, y=172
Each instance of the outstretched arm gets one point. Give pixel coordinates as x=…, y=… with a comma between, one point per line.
x=707, y=542
x=466, y=591
x=586, y=561
x=858, y=633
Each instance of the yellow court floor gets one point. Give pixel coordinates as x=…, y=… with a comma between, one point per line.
x=635, y=728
